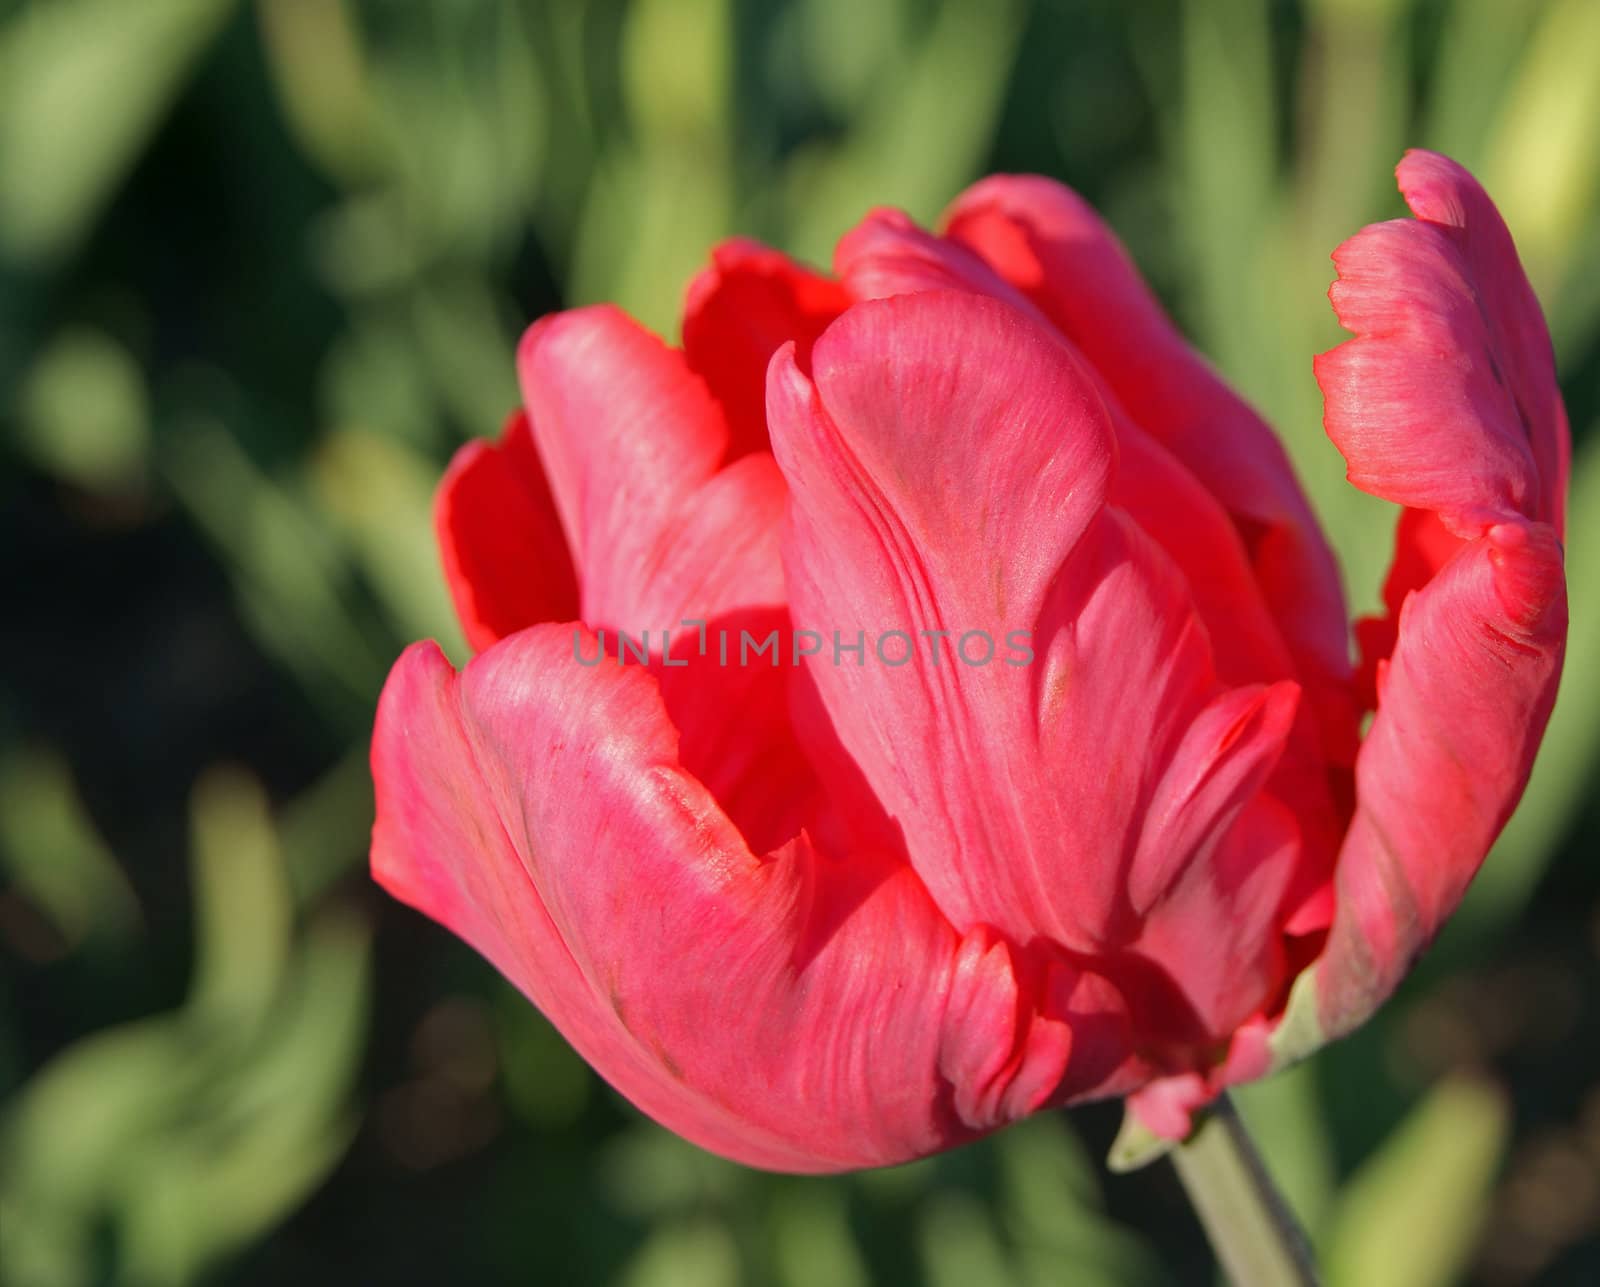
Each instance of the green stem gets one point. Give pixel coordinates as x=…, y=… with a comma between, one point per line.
x=1252, y=1230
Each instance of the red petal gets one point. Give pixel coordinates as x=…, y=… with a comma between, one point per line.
x=1446, y=402
x=1463, y=703
x=797, y=1011
x=886, y=254
x=1049, y=244
x=664, y=536
x=1422, y=545
x=629, y=436
x=505, y=559
x=737, y=314
x=948, y=471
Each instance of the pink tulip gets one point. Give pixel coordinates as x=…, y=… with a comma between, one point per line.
x=868, y=893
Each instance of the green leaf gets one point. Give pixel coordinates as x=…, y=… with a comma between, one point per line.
x=958, y=1242
x=1052, y=1206
x=290, y=574
x=688, y=1253
x=1543, y=159
x=315, y=55
x=920, y=138
x=189, y=1134
x=380, y=492
x=651, y=215
x=85, y=411
x=1136, y=1145
x=1480, y=45
x=83, y=85
x=276, y=1123
x=677, y=62
x=1412, y=1214
x=242, y=905
x=812, y=1239
x=50, y=848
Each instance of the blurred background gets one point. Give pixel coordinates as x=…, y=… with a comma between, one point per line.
x=262, y=267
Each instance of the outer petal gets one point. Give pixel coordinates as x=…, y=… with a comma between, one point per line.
x=949, y=470
x=1047, y=242
x=796, y=1012
x=505, y=559
x=1422, y=545
x=1462, y=705
x=1451, y=355
x=1447, y=398
x=888, y=255
x=737, y=314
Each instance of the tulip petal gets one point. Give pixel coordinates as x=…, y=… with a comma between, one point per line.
x=1422, y=545
x=736, y=315
x=798, y=1011
x=1239, y=881
x=1181, y=516
x=887, y=255
x=1190, y=526
x=1462, y=704
x=949, y=464
x=1048, y=243
x=631, y=439
x=673, y=549
x=1444, y=402
x=505, y=559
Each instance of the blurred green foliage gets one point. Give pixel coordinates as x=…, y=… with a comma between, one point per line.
x=262, y=267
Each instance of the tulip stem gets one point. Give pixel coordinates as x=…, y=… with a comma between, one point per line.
x=1255, y=1235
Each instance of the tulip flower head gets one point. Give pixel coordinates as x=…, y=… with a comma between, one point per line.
x=925, y=697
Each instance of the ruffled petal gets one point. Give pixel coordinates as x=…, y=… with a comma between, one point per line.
x=799, y=1011
x=505, y=559
x=1422, y=545
x=949, y=464
x=1462, y=705
x=1445, y=402
x=1048, y=243
x=738, y=311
